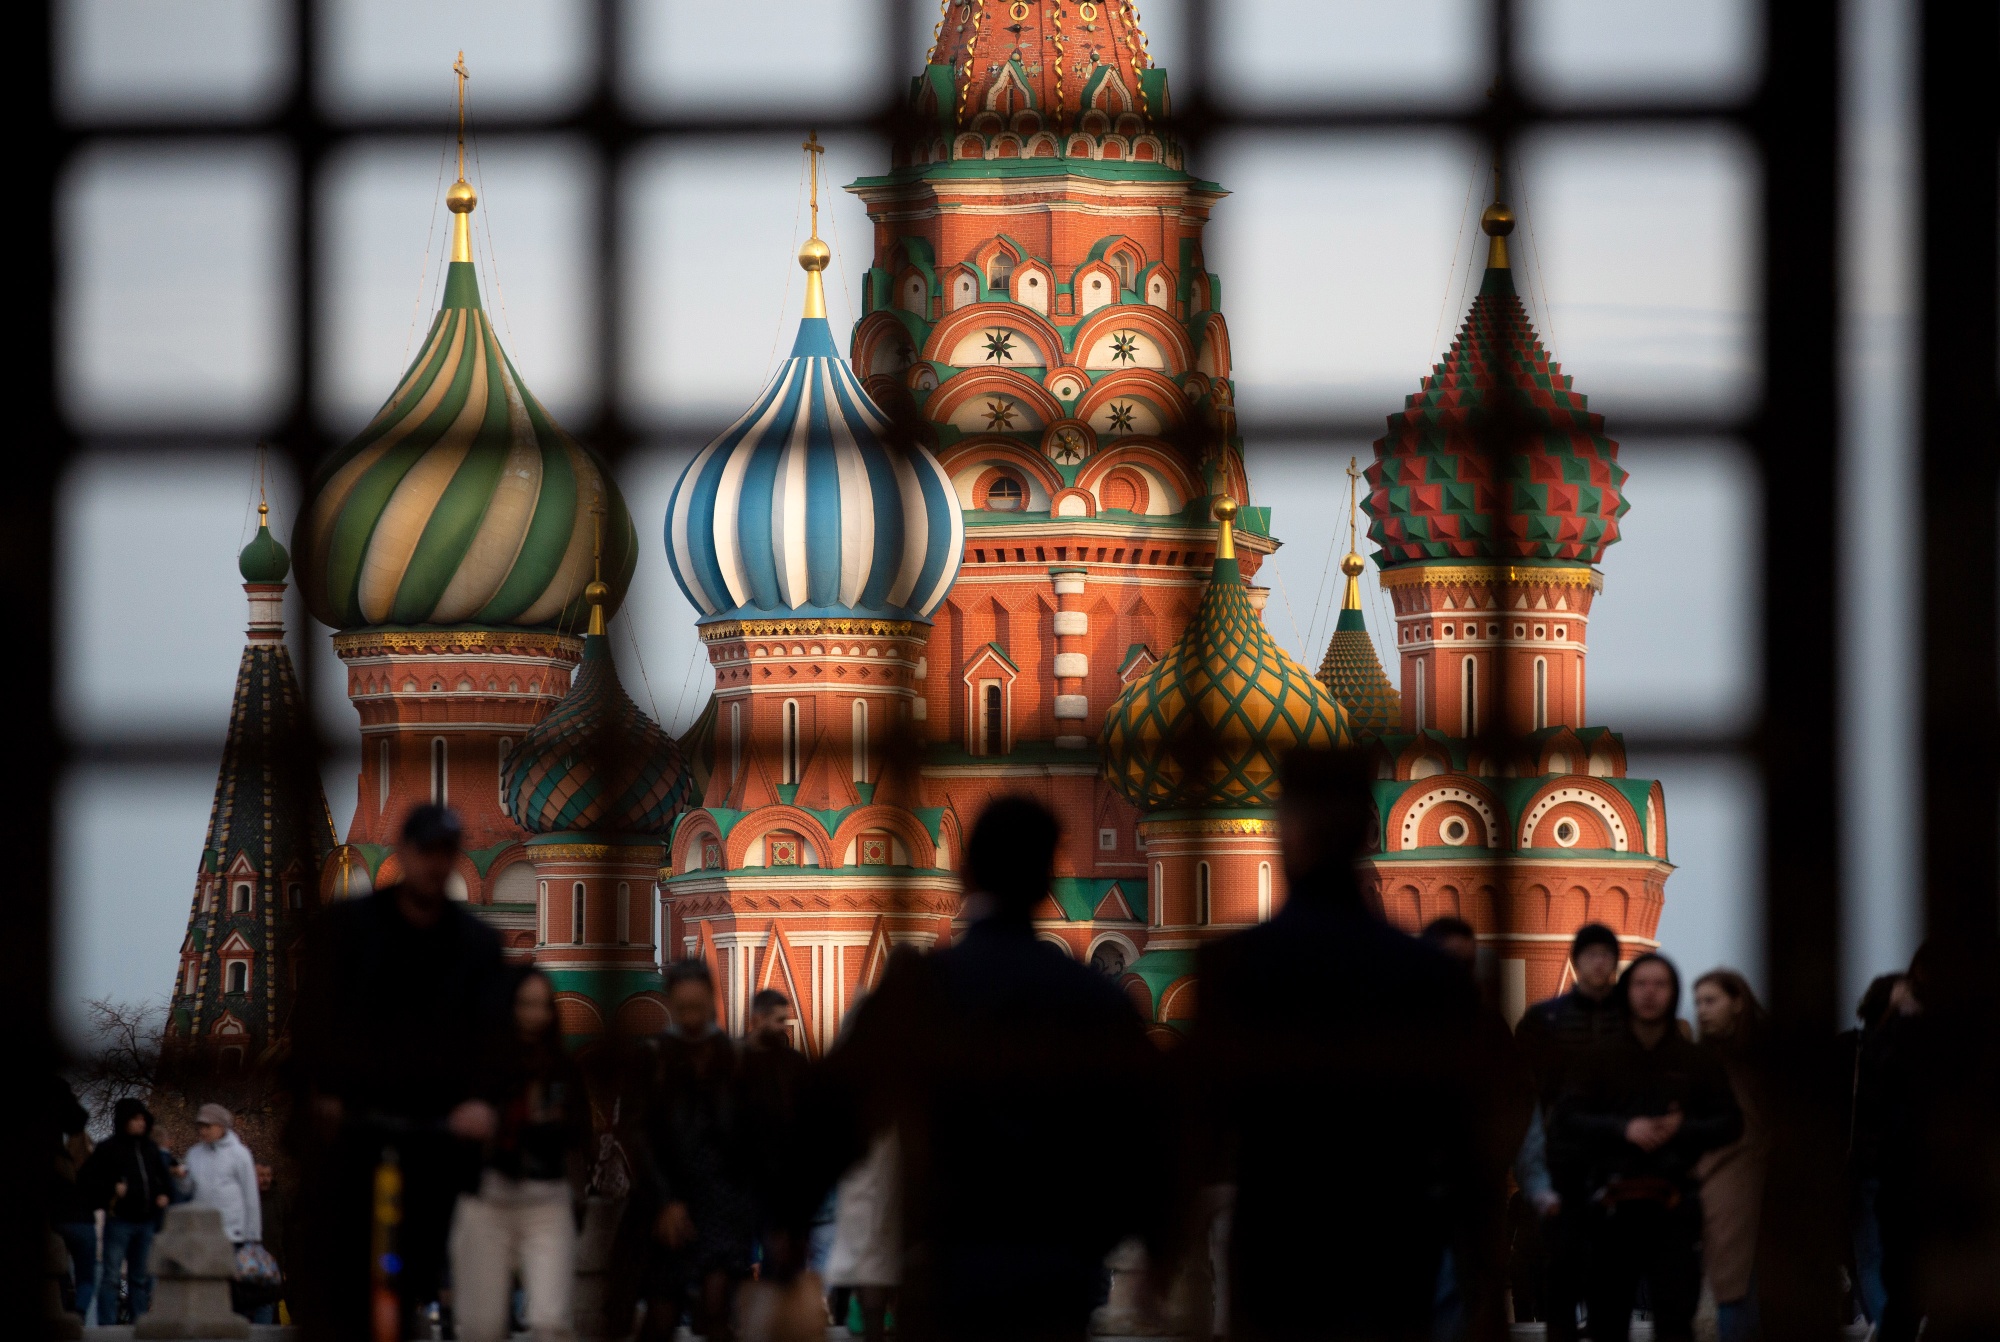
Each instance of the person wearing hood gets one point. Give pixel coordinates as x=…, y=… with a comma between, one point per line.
x=131, y=1178
x=225, y=1176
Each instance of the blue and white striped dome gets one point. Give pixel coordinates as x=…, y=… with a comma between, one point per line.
x=804, y=509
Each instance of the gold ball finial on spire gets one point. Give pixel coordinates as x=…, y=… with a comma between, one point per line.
x=1226, y=509
x=461, y=198
x=1353, y=564
x=815, y=255
x=1498, y=221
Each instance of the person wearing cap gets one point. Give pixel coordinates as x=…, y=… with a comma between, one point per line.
x=225, y=1175
x=401, y=997
x=1557, y=1037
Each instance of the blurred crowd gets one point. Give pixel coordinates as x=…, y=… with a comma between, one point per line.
x=1350, y=1141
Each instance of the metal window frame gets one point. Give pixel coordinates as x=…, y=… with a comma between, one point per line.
x=1793, y=120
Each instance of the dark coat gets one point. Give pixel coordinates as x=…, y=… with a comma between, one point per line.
x=690, y=1150
x=396, y=1021
x=1340, y=1081
x=1555, y=1035
x=1007, y=1069
x=543, y=1105
x=1620, y=1080
x=135, y=1161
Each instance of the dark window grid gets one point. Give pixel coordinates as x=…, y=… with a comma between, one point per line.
x=1792, y=122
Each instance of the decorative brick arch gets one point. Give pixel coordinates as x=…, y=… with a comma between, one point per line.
x=640, y=1015
x=1161, y=328
x=769, y=818
x=1158, y=391
x=878, y=330
x=923, y=853
x=975, y=382
x=1146, y=452
x=1178, y=1001
x=577, y=1014
x=1615, y=810
x=964, y=321
x=699, y=827
x=1406, y=816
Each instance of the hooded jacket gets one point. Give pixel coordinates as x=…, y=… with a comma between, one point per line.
x=135, y=1161
x=225, y=1178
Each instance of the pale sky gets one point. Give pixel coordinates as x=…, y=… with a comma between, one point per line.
x=1345, y=268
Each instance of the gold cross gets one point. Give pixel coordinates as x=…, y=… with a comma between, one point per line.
x=597, y=541
x=815, y=148
x=458, y=68
x=1353, y=483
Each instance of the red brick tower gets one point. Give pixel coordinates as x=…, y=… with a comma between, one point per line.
x=1040, y=305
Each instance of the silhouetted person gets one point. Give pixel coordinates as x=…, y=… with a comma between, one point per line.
x=1641, y=1110
x=1731, y=1022
x=131, y=1177
x=1939, y=1155
x=1554, y=1036
x=402, y=996
x=771, y=1082
x=1344, y=1095
x=691, y=1187
x=1884, y=999
x=993, y=1058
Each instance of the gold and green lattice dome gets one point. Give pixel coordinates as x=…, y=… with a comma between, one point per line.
x=1207, y=726
x=462, y=502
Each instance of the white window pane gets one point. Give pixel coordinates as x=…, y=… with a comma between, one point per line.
x=1273, y=53
x=396, y=55
x=184, y=58
x=1637, y=48
x=825, y=56
x=175, y=294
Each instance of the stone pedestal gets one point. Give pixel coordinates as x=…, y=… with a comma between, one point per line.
x=193, y=1266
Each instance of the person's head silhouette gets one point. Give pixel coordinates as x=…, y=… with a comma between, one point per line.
x=1010, y=856
x=1324, y=811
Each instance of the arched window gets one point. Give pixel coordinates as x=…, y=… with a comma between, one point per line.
x=1005, y=495
x=1418, y=698
x=624, y=913
x=193, y=978
x=1201, y=902
x=860, y=740
x=735, y=741
x=790, y=744
x=1263, y=892
x=503, y=753
x=1577, y=706
x=1159, y=893
x=239, y=976
x=1541, y=693
x=296, y=895
x=239, y=898
x=542, y=915
x=1122, y=263
x=382, y=775
x=576, y=914
x=1000, y=271
x=438, y=793
x=993, y=720
x=1469, y=693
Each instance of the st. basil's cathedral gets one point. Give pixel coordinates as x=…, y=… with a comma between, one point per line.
x=1007, y=544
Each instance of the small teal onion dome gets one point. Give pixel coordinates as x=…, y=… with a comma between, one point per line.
x=462, y=502
x=804, y=508
x=263, y=560
x=596, y=764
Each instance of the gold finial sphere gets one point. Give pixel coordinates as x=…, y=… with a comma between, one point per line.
x=597, y=593
x=1498, y=221
x=461, y=198
x=815, y=254
x=1225, y=509
x=263, y=513
x=1352, y=565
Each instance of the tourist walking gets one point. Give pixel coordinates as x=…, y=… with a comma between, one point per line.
x=1730, y=1020
x=1554, y=1036
x=1641, y=1111
x=523, y=1218
x=691, y=1193
x=72, y=1207
x=1341, y=1087
x=224, y=1176
x=132, y=1179
x=771, y=1085
x=401, y=998
x=980, y=1057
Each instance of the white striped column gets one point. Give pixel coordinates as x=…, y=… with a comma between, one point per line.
x=1072, y=659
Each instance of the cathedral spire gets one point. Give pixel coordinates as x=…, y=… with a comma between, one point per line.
x=1497, y=222
x=461, y=199
x=815, y=254
x=1351, y=671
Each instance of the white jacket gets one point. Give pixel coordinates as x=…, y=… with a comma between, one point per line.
x=225, y=1177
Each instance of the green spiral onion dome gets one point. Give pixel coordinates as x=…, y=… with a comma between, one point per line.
x=462, y=502
x=1554, y=492
x=596, y=764
x=1207, y=726
x=263, y=560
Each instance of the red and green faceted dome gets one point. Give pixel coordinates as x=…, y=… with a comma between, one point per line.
x=1555, y=493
